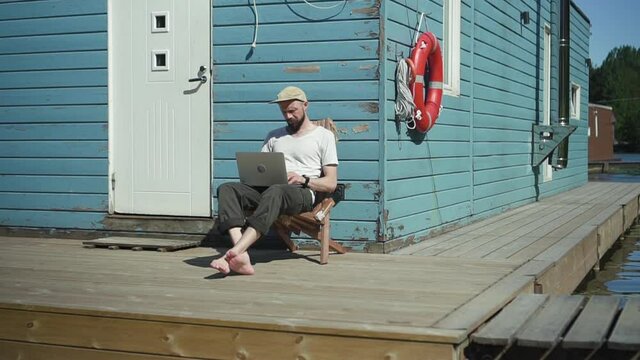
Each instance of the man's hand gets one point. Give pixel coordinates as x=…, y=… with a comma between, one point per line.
x=295, y=179
x=326, y=183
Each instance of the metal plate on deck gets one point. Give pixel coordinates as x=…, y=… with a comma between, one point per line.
x=134, y=243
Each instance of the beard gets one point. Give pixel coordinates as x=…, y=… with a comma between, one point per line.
x=294, y=125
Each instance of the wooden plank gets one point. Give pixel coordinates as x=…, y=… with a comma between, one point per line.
x=609, y=231
x=59, y=78
x=54, y=184
x=200, y=341
x=630, y=210
x=573, y=258
x=27, y=9
x=139, y=243
x=626, y=333
x=22, y=350
x=534, y=242
x=256, y=92
x=590, y=329
x=527, y=227
x=53, y=114
x=501, y=330
x=62, y=96
x=55, y=149
x=547, y=326
x=299, y=32
x=55, y=167
x=325, y=51
x=58, y=202
x=54, y=25
x=54, y=61
x=299, y=72
x=473, y=313
x=415, y=223
x=54, y=43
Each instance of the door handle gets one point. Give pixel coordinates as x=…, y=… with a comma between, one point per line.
x=201, y=76
x=202, y=79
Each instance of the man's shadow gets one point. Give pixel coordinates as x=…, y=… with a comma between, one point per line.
x=267, y=250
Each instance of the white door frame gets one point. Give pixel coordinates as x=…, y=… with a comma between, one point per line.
x=110, y=103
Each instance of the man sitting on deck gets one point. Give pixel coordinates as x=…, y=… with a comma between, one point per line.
x=312, y=165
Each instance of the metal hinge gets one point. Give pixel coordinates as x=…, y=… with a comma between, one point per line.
x=113, y=182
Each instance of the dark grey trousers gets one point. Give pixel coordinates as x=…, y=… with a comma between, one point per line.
x=269, y=203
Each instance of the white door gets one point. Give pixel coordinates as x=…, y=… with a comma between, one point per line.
x=160, y=120
x=547, y=169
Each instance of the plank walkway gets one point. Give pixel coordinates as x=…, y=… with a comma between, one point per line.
x=561, y=327
x=59, y=300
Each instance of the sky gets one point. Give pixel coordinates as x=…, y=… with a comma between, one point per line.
x=613, y=23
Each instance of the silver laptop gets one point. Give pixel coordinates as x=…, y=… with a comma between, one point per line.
x=261, y=168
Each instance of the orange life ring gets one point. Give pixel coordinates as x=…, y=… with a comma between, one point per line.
x=425, y=53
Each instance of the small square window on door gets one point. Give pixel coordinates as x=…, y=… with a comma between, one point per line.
x=159, y=21
x=159, y=60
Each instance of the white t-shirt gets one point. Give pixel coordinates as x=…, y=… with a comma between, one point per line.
x=306, y=154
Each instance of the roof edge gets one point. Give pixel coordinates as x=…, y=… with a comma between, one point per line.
x=573, y=3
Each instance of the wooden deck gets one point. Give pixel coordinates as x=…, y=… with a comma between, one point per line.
x=536, y=326
x=60, y=300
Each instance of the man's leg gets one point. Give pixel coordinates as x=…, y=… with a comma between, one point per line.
x=275, y=201
x=241, y=264
x=233, y=198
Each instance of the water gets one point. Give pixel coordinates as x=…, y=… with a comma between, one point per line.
x=620, y=268
x=627, y=157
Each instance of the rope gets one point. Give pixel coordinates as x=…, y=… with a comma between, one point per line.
x=326, y=7
x=254, y=44
x=255, y=31
x=404, y=99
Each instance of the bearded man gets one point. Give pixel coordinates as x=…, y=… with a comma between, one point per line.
x=312, y=166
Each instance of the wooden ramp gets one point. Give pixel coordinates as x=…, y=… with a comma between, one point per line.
x=561, y=327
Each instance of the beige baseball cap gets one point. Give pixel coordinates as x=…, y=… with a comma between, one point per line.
x=290, y=93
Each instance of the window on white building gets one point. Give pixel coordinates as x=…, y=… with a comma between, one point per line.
x=575, y=101
x=451, y=46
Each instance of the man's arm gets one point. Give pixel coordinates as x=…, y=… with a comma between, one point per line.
x=326, y=183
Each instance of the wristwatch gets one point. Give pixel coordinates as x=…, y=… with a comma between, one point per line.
x=306, y=181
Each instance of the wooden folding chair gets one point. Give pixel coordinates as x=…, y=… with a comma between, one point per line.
x=317, y=222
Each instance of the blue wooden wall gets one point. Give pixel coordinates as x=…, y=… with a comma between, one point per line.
x=53, y=113
x=477, y=160
x=474, y=163
x=333, y=55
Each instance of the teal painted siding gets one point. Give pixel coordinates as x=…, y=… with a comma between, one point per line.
x=333, y=55
x=481, y=144
x=53, y=113
x=428, y=179
x=400, y=185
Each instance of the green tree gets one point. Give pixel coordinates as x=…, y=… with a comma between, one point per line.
x=617, y=83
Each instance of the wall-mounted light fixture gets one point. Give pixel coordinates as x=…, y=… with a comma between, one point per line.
x=524, y=17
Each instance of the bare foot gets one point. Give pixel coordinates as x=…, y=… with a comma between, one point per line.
x=240, y=264
x=221, y=264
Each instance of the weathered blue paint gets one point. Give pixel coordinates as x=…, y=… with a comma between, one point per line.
x=53, y=114
x=474, y=163
x=500, y=99
x=333, y=55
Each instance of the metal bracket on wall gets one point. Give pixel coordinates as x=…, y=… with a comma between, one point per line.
x=546, y=139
